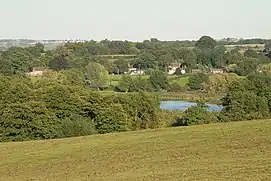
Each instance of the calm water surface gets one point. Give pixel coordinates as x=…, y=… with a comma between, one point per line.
x=183, y=105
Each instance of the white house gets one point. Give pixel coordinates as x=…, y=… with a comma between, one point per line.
x=37, y=71
x=217, y=71
x=135, y=71
x=173, y=68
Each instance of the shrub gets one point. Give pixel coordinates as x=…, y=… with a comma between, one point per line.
x=111, y=119
x=196, y=115
x=195, y=81
x=77, y=125
x=158, y=80
x=245, y=105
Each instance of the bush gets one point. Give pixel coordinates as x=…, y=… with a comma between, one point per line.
x=77, y=125
x=111, y=119
x=175, y=87
x=196, y=115
x=28, y=121
x=248, y=99
x=166, y=118
x=195, y=81
x=246, y=105
x=158, y=80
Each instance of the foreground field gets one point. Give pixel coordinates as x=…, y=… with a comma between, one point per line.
x=233, y=151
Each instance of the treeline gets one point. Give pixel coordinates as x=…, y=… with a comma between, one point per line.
x=231, y=41
x=53, y=107
x=57, y=107
x=246, y=99
x=203, y=54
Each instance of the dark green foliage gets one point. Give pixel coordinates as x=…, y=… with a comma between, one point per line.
x=248, y=99
x=253, y=54
x=16, y=61
x=206, y=42
x=146, y=61
x=121, y=65
x=77, y=125
x=96, y=75
x=26, y=121
x=140, y=85
x=134, y=84
x=245, y=106
x=247, y=66
x=59, y=63
x=196, y=115
x=57, y=108
x=141, y=108
x=158, y=80
x=111, y=119
x=195, y=81
x=74, y=77
x=175, y=87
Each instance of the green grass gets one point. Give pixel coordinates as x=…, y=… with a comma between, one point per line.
x=181, y=80
x=230, y=151
x=244, y=46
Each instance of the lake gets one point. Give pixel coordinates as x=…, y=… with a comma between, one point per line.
x=183, y=105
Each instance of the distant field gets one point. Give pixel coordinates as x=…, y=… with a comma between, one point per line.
x=253, y=46
x=230, y=151
x=181, y=80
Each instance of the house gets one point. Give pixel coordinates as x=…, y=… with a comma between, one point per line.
x=217, y=71
x=135, y=71
x=38, y=71
x=172, y=68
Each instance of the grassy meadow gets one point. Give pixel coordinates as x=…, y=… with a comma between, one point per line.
x=230, y=151
x=244, y=47
x=181, y=80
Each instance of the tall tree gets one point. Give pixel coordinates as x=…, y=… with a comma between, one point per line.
x=97, y=75
x=158, y=80
x=206, y=42
x=59, y=63
x=122, y=65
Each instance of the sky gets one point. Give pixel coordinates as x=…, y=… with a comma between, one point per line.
x=134, y=20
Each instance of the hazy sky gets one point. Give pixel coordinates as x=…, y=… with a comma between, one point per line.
x=134, y=19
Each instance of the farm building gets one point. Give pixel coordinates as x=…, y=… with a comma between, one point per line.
x=37, y=71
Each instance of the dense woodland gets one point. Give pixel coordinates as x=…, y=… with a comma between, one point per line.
x=69, y=99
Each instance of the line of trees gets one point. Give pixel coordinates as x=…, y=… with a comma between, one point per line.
x=54, y=107
x=149, y=54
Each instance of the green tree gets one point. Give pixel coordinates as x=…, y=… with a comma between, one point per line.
x=59, y=63
x=145, y=61
x=110, y=119
x=27, y=121
x=122, y=65
x=73, y=77
x=206, y=42
x=16, y=60
x=245, y=105
x=196, y=115
x=125, y=83
x=247, y=66
x=195, y=81
x=97, y=75
x=158, y=80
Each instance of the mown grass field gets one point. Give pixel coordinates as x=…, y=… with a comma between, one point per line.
x=230, y=151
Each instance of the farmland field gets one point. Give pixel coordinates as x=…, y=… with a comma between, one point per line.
x=230, y=151
x=181, y=80
x=245, y=46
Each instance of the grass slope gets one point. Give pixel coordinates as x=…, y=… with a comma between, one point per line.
x=231, y=151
